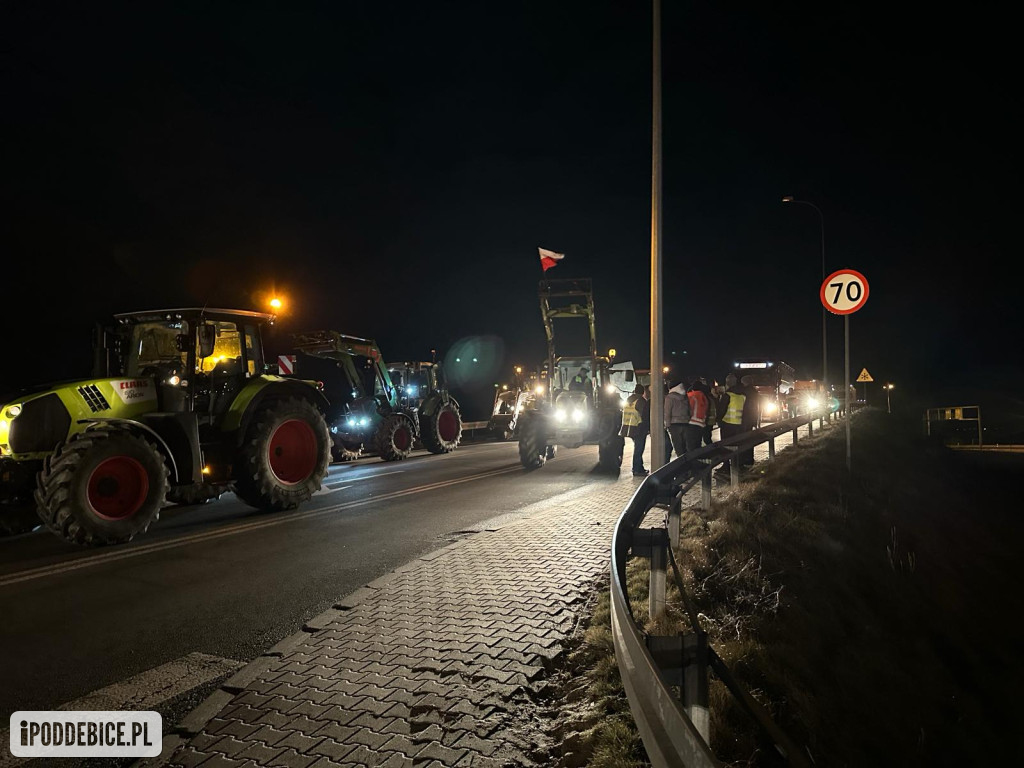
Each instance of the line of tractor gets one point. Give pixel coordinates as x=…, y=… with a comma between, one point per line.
x=182, y=406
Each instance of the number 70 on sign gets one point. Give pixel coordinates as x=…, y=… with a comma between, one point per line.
x=844, y=292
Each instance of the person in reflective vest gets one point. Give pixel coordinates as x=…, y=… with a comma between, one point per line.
x=731, y=423
x=636, y=424
x=694, y=431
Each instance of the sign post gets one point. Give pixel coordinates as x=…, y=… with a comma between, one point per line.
x=843, y=293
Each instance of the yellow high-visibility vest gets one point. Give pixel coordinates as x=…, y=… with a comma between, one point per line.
x=630, y=414
x=734, y=413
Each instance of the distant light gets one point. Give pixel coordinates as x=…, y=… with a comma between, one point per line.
x=504, y=386
x=458, y=359
x=474, y=359
x=664, y=369
x=206, y=469
x=519, y=369
x=275, y=303
x=787, y=199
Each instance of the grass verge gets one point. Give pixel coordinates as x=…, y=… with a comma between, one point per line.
x=872, y=614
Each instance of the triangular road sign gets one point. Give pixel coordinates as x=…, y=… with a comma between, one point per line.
x=864, y=375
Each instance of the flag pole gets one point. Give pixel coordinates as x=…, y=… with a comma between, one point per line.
x=657, y=376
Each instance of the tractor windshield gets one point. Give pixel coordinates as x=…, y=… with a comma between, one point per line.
x=156, y=344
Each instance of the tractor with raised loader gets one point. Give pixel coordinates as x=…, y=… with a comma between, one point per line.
x=579, y=405
x=374, y=406
x=179, y=409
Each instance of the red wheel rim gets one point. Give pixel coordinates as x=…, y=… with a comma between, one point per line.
x=293, y=451
x=447, y=425
x=118, y=487
x=403, y=438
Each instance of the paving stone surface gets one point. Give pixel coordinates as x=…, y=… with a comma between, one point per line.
x=434, y=664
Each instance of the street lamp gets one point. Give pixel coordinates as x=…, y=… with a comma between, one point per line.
x=824, y=336
x=888, y=389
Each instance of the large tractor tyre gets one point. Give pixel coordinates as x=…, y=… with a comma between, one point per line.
x=441, y=432
x=194, y=494
x=103, y=486
x=394, y=438
x=343, y=451
x=533, y=448
x=609, y=452
x=284, y=457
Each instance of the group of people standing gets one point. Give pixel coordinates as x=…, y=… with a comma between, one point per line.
x=691, y=412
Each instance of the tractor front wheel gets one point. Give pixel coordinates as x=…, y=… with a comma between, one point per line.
x=394, y=437
x=103, y=486
x=284, y=457
x=533, y=448
x=442, y=430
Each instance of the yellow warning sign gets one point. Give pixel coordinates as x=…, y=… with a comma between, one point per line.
x=864, y=375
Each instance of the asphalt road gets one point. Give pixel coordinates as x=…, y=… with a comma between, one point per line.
x=225, y=580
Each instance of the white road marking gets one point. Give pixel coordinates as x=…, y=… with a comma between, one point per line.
x=144, y=691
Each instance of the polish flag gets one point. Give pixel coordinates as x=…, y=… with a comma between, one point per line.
x=549, y=258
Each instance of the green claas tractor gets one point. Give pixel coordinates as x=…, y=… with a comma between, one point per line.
x=179, y=409
x=373, y=406
x=579, y=403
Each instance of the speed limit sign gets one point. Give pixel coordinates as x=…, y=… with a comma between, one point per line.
x=844, y=292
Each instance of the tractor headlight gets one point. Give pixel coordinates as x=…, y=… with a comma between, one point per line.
x=560, y=414
x=578, y=415
x=610, y=389
x=812, y=402
x=13, y=411
x=363, y=421
x=411, y=391
x=771, y=407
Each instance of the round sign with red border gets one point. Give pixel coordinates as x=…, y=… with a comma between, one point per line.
x=844, y=292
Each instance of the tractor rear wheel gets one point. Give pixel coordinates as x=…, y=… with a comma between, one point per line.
x=343, y=451
x=533, y=447
x=196, y=493
x=442, y=430
x=284, y=457
x=609, y=452
x=103, y=486
x=394, y=437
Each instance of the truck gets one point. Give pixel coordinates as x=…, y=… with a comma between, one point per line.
x=180, y=407
x=774, y=380
x=578, y=403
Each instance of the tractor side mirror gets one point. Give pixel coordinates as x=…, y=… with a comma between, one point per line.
x=181, y=342
x=207, y=339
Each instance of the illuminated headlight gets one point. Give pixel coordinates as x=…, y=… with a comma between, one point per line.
x=559, y=415
x=540, y=389
x=174, y=381
x=771, y=408
x=578, y=415
x=610, y=389
x=363, y=421
x=412, y=391
x=13, y=412
x=350, y=422
x=812, y=402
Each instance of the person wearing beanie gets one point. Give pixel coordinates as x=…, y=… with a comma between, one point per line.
x=677, y=416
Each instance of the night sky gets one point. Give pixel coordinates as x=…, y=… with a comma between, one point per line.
x=392, y=168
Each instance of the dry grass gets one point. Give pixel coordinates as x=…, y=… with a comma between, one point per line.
x=871, y=614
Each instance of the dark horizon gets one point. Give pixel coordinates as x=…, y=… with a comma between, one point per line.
x=393, y=171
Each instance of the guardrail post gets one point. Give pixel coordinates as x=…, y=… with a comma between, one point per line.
x=810, y=428
x=795, y=437
x=695, y=682
x=659, y=561
x=734, y=470
x=675, y=521
x=771, y=447
x=705, y=491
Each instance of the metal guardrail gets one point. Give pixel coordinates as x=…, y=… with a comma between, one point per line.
x=675, y=730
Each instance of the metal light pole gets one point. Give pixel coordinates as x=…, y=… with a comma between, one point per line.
x=888, y=405
x=824, y=335
x=657, y=379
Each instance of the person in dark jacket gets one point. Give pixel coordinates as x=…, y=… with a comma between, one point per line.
x=636, y=424
x=751, y=416
x=677, y=416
